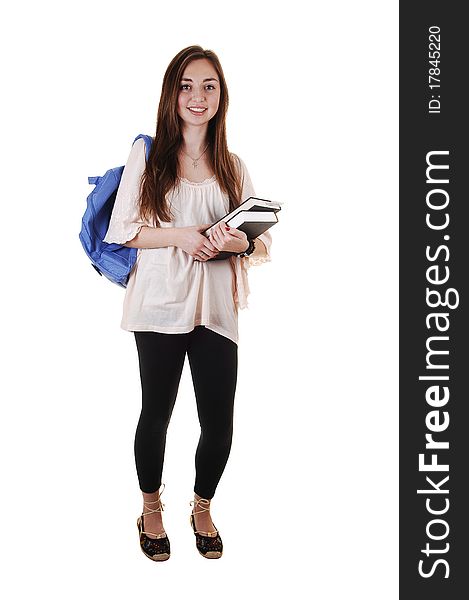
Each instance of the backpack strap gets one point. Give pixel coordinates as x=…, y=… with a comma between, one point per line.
x=148, y=142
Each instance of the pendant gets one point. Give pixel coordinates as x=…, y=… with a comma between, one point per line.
x=194, y=163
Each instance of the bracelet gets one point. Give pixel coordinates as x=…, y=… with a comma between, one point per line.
x=249, y=250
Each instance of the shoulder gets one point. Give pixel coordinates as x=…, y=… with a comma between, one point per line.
x=137, y=154
x=138, y=146
x=239, y=162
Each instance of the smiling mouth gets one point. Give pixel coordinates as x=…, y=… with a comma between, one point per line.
x=197, y=111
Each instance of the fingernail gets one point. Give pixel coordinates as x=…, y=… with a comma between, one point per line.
x=227, y=226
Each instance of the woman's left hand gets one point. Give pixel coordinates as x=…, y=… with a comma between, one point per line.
x=228, y=239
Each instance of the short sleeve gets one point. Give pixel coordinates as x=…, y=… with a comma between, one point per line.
x=266, y=237
x=125, y=222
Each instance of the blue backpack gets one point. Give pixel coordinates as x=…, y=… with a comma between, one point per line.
x=114, y=261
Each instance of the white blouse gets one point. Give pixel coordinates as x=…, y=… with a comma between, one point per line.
x=168, y=291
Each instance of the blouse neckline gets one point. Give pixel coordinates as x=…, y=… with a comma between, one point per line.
x=204, y=182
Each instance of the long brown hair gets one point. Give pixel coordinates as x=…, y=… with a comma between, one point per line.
x=161, y=171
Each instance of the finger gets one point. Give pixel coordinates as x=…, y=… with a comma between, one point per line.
x=217, y=239
x=211, y=245
x=223, y=228
x=216, y=244
x=200, y=256
x=211, y=238
x=233, y=233
x=236, y=232
x=209, y=249
x=229, y=237
x=222, y=231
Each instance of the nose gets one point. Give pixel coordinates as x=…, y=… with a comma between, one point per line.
x=198, y=95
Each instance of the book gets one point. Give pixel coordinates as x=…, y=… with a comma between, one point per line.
x=254, y=216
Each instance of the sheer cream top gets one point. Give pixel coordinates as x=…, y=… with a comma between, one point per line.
x=168, y=291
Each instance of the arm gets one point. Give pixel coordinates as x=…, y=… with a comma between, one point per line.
x=125, y=222
x=263, y=242
x=260, y=249
x=189, y=239
x=155, y=237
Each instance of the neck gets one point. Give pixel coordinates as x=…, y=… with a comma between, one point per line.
x=194, y=140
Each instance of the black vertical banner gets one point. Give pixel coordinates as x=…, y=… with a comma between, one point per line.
x=434, y=268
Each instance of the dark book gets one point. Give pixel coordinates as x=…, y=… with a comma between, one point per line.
x=253, y=216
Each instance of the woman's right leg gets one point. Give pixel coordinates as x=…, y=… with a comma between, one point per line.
x=161, y=360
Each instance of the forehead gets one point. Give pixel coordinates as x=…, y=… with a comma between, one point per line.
x=200, y=70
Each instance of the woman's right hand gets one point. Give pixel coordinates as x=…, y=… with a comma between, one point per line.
x=192, y=241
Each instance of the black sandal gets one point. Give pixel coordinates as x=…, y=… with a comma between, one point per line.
x=157, y=548
x=208, y=543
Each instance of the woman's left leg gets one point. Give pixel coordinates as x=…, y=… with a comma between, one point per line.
x=213, y=360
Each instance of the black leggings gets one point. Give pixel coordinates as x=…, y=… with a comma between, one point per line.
x=213, y=361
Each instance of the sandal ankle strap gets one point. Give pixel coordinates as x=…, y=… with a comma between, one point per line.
x=199, y=503
x=157, y=536
x=154, y=510
x=204, y=504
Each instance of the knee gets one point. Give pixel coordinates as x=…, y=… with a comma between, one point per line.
x=153, y=423
x=218, y=436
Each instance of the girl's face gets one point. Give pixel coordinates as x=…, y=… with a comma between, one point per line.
x=200, y=88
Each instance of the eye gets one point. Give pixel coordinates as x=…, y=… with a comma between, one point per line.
x=187, y=85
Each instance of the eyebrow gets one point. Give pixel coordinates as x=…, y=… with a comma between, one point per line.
x=207, y=79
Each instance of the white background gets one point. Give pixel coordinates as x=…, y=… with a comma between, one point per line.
x=307, y=505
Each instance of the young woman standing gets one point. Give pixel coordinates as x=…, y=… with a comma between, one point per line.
x=177, y=301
